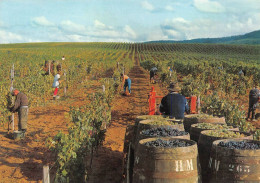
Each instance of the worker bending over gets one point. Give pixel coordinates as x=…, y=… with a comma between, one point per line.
x=126, y=81
x=253, y=101
x=20, y=106
x=152, y=74
x=174, y=104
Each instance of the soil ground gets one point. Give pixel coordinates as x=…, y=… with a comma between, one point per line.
x=22, y=161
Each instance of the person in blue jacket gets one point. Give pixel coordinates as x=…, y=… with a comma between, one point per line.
x=174, y=104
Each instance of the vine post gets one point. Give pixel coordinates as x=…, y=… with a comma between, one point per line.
x=65, y=85
x=198, y=104
x=105, y=123
x=49, y=67
x=11, y=88
x=46, y=174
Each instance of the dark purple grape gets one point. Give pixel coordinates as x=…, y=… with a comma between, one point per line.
x=167, y=143
x=163, y=132
x=243, y=145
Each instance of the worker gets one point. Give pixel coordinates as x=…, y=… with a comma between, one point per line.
x=242, y=72
x=20, y=106
x=170, y=71
x=56, y=84
x=49, y=67
x=253, y=101
x=126, y=82
x=58, y=67
x=152, y=74
x=174, y=104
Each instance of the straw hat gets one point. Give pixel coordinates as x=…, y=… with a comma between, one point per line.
x=173, y=87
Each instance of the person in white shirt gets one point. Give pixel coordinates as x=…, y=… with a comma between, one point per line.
x=56, y=84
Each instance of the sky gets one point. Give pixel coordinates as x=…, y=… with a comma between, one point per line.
x=23, y=21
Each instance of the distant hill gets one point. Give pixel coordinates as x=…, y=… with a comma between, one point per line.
x=252, y=38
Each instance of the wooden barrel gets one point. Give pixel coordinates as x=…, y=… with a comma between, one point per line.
x=129, y=143
x=204, y=148
x=170, y=164
x=195, y=131
x=200, y=118
x=146, y=124
x=144, y=117
x=234, y=165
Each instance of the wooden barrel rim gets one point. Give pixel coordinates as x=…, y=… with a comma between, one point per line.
x=193, y=144
x=237, y=151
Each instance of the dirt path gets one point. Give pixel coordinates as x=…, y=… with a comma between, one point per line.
x=108, y=163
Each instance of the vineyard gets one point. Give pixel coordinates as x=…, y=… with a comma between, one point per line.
x=81, y=136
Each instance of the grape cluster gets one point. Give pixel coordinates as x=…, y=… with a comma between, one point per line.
x=239, y=145
x=161, y=122
x=163, y=132
x=225, y=134
x=200, y=116
x=152, y=117
x=213, y=126
x=167, y=143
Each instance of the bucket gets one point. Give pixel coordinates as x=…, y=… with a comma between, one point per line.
x=234, y=165
x=195, y=130
x=169, y=164
x=204, y=148
x=18, y=135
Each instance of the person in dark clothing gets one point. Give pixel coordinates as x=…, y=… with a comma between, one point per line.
x=174, y=104
x=152, y=73
x=253, y=101
x=49, y=67
x=20, y=106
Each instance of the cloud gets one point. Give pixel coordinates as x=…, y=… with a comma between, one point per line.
x=42, y=21
x=181, y=29
x=9, y=37
x=175, y=28
x=169, y=8
x=99, y=25
x=107, y=32
x=73, y=28
x=130, y=33
x=146, y=5
x=208, y=6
